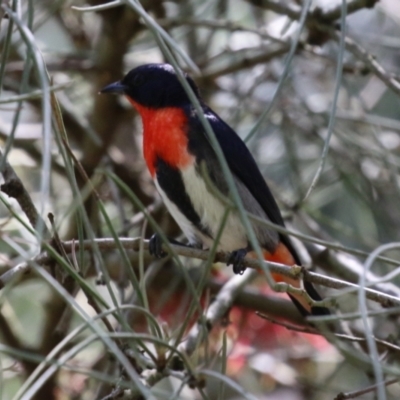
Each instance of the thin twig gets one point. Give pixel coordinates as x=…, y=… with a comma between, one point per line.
x=216, y=24
x=385, y=345
x=288, y=326
x=369, y=389
x=244, y=61
x=216, y=311
x=36, y=94
x=370, y=61
x=326, y=14
x=90, y=299
x=13, y=187
x=348, y=268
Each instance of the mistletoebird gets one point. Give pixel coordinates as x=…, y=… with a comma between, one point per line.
x=175, y=147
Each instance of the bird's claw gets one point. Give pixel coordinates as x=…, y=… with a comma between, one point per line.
x=155, y=246
x=236, y=260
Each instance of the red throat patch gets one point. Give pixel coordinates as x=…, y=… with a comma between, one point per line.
x=164, y=136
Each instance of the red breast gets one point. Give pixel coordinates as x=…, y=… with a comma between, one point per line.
x=164, y=136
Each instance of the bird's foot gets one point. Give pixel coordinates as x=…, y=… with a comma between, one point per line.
x=236, y=260
x=155, y=245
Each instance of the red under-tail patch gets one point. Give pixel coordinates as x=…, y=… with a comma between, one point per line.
x=282, y=255
x=164, y=136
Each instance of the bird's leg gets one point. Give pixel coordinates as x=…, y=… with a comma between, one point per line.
x=155, y=245
x=236, y=260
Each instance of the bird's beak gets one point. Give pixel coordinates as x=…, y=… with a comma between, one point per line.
x=116, y=87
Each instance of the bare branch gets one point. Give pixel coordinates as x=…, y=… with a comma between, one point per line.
x=322, y=14
x=295, y=272
x=247, y=62
x=369, y=389
x=383, y=344
x=347, y=267
x=370, y=61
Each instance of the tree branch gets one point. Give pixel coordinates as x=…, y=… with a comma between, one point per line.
x=13, y=187
x=294, y=272
x=347, y=267
x=323, y=14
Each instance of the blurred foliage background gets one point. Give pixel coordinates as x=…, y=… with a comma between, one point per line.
x=291, y=78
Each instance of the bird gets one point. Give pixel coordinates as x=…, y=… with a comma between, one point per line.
x=176, y=147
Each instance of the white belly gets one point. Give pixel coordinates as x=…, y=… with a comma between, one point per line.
x=210, y=210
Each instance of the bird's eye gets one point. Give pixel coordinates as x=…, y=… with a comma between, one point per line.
x=137, y=80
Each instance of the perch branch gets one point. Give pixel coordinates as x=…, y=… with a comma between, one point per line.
x=294, y=272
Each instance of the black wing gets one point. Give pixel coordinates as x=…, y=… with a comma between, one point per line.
x=244, y=167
